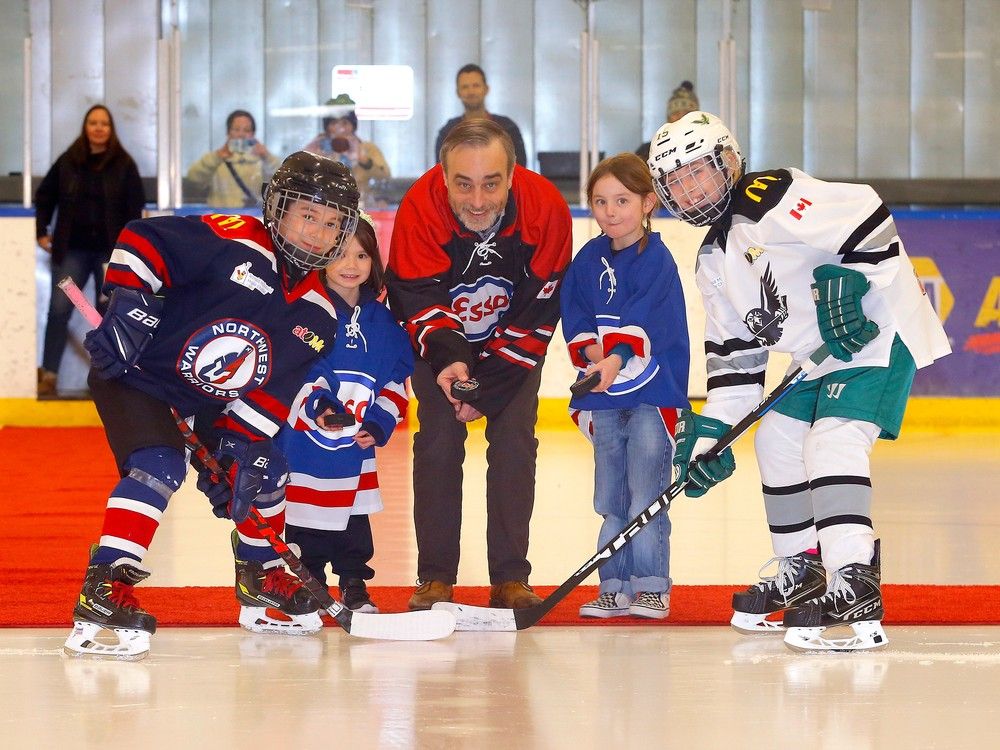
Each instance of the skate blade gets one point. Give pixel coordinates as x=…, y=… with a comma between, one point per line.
x=269, y=620
x=751, y=624
x=469, y=618
x=867, y=635
x=426, y=625
x=83, y=643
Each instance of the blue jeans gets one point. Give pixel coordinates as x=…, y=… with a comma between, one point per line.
x=632, y=454
x=78, y=264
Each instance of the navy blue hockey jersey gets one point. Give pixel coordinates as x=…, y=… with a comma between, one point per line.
x=231, y=332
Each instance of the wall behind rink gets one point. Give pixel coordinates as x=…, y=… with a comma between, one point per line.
x=956, y=255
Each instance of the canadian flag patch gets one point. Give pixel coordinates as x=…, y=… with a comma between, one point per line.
x=548, y=290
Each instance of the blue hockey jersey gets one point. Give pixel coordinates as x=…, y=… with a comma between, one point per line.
x=626, y=297
x=231, y=333
x=331, y=476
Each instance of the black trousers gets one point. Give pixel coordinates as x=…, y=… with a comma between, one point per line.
x=347, y=551
x=132, y=419
x=438, y=455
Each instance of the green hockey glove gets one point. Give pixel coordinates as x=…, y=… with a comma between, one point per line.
x=695, y=435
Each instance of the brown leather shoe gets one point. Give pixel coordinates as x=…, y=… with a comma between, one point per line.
x=513, y=595
x=430, y=592
x=47, y=383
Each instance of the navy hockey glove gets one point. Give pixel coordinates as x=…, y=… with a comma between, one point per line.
x=321, y=400
x=842, y=322
x=126, y=330
x=696, y=434
x=248, y=464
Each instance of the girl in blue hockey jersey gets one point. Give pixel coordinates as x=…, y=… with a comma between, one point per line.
x=333, y=484
x=623, y=316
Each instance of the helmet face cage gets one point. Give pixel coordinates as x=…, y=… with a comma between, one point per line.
x=296, y=209
x=291, y=227
x=690, y=172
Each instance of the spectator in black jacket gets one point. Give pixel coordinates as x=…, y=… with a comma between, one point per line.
x=470, y=85
x=96, y=188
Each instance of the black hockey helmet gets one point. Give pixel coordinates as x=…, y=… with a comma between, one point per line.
x=310, y=178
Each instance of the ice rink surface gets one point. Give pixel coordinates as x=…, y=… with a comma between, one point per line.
x=553, y=687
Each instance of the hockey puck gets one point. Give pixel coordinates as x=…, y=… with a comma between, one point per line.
x=338, y=421
x=585, y=385
x=465, y=390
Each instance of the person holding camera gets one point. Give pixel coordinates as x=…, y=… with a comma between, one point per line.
x=339, y=140
x=234, y=173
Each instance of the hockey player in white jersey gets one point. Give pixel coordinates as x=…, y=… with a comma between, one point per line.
x=789, y=263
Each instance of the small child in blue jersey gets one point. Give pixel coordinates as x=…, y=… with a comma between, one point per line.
x=623, y=317
x=333, y=485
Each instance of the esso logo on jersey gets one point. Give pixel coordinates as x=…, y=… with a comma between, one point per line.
x=480, y=305
x=355, y=392
x=226, y=359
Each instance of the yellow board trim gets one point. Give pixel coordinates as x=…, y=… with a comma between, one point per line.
x=945, y=414
x=922, y=413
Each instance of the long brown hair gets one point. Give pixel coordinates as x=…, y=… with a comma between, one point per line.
x=365, y=235
x=633, y=173
x=79, y=150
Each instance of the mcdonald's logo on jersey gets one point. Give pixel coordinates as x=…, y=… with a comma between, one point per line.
x=760, y=185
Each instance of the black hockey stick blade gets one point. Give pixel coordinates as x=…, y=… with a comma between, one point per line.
x=494, y=619
x=583, y=386
x=465, y=390
x=405, y=626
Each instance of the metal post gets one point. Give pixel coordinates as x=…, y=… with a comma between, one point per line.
x=727, y=67
x=163, y=198
x=584, y=113
x=26, y=128
x=177, y=198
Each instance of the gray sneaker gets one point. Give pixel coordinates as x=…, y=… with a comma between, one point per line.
x=654, y=605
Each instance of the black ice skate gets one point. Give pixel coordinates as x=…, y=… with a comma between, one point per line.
x=799, y=578
x=854, y=598
x=272, y=600
x=107, y=603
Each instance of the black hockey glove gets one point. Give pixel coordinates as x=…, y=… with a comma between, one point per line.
x=696, y=434
x=248, y=466
x=842, y=322
x=126, y=330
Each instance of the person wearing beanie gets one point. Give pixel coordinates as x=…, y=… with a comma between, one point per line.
x=682, y=100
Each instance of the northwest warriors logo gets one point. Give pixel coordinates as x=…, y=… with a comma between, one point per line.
x=480, y=305
x=226, y=359
x=764, y=322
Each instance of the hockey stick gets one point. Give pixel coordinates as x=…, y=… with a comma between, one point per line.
x=405, y=626
x=490, y=618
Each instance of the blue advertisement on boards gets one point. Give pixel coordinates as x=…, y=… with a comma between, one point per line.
x=957, y=257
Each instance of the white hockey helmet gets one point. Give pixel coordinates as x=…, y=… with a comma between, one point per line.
x=695, y=162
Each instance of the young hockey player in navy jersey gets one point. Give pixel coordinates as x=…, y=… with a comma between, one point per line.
x=791, y=263
x=333, y=485
x=210, y=311
x=623, y=316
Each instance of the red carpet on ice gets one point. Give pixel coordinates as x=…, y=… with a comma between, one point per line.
x=46, y=522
